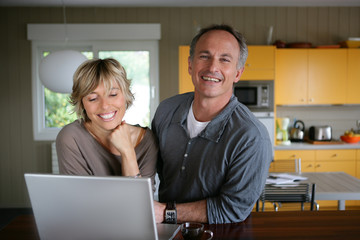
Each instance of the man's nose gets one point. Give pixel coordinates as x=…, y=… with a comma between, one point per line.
x=213, y=65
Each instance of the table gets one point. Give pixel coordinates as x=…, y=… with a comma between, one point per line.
x=338, y=186
x=259, y=225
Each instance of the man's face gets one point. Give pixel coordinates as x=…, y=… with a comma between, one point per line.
x=214, y=65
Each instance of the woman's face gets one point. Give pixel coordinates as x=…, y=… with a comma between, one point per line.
x=105, y=109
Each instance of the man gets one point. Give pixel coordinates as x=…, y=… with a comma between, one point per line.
x=214, y=154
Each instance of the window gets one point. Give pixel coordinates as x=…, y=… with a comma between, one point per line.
x=139, y=56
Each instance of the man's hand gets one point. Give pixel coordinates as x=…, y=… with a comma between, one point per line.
x=159, y=211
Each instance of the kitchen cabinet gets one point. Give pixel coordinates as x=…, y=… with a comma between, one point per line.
x=260, y=65
x=307, y=159
x=310, y=76
x=358, y=163
x=332, y=160
x=185, y=82
x=353, y=83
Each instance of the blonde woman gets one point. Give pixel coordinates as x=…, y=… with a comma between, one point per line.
x=100, y=142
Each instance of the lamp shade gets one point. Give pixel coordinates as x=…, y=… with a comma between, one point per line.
x=56, y=70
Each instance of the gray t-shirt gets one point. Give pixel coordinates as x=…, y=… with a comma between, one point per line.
x=226, y=164
x=80, y=154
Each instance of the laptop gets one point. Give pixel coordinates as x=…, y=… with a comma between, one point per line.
x=91, y=207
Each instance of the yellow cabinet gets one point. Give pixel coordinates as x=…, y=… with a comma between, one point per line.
x=291, y=76
x=307, y=159
x=336, y=161
x=358, y=163
x=310, y=76
x=260, y=64
x=327, y=74
x=353, y=83
x=185, y=83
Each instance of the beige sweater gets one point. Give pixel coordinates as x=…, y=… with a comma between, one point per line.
x=80, y=154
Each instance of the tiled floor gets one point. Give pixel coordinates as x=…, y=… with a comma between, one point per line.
x=8, y=214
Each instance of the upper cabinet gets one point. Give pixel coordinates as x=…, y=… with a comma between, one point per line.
x=353, y=83
x=260, y=64
x=310, y=76
x=185, y=82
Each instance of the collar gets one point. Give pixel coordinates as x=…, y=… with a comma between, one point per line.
x=216, y=126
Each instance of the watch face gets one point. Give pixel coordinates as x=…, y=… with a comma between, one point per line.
x=170, y=216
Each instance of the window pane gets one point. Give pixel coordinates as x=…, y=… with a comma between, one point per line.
x=58, y=110
x=136, y=64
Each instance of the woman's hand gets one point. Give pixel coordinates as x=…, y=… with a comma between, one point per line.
x=121, y=139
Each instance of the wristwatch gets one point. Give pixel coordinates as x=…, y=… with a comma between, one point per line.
x=170, y=213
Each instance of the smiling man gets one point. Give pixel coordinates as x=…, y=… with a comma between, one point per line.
x=214, y=154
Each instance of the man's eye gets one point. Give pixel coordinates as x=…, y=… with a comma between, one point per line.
x=225, y=60
x=204, y=57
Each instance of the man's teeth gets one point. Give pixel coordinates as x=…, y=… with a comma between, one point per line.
x=107, y=116
x=211, y=79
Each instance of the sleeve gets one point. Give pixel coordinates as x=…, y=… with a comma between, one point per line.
x=147, y=160
x=70, y=158
x=245, y=180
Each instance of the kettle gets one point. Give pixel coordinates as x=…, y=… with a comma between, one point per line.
x=297, y=132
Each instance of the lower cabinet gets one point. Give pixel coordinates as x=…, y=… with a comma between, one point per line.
x=333, y=160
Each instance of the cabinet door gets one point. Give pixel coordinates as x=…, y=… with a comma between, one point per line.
x=307, y=158
x=353, y=84
x=291, y=76
x=358, y=163
x=327, y=76
x=185, y=82
x=260, y=64
x=336, y=161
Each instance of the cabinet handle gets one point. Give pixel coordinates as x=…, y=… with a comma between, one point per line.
x=248, y=64
x=318, y=165
x=293, y=156
x=302, y=100
x=311, y=100
x=335, y=155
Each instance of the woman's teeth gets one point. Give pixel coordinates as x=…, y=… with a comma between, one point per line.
x=211, y=79
x=107, y=115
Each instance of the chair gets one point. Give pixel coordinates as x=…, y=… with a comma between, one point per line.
x=288, y=193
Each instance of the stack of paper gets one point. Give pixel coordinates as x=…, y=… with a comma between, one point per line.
x=283, y=178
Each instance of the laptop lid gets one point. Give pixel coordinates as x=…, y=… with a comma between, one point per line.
x=91, y=207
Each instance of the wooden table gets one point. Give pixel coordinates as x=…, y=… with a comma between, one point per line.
x=259, y=225
x=338, y=186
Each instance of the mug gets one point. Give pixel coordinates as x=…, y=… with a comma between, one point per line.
x=194, y=231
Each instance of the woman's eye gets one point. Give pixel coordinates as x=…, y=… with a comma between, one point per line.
x=113, y=94
x=92, y=99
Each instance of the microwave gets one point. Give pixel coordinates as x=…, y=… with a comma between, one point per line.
x=257, y=95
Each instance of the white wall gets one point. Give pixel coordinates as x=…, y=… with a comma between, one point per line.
x=340, y=118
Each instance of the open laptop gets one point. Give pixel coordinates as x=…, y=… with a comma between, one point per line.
x=89, y=207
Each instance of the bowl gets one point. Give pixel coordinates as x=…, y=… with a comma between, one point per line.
x=350, y=139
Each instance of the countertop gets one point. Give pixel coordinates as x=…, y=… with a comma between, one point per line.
x=309, y=146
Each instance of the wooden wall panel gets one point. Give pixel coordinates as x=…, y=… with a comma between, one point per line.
x=19, y=153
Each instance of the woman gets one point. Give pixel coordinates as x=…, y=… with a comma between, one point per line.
x=100, y=142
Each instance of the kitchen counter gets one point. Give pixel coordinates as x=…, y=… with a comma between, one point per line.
x=309, y=146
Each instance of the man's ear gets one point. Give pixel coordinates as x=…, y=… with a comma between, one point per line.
x=239, y=72
x=189, y=66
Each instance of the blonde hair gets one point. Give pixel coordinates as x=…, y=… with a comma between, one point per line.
x=90, y=74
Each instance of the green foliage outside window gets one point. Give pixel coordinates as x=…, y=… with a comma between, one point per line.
x=58, y=110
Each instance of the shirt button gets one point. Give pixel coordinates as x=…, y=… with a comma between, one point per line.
x=183, y=168
x=185, y=155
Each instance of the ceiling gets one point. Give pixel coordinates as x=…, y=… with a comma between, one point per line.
x=175, y=3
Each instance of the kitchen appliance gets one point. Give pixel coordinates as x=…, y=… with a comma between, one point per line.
x=257, y=95
x=320, y=133
x=297, y=132
x=282, y=135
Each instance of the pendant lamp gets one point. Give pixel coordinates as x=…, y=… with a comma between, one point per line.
x=57, y=69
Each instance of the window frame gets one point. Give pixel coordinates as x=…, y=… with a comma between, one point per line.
x=88, y=37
